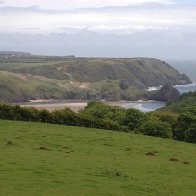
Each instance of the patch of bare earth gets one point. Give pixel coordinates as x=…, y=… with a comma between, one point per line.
x=150, y=154
x=174, y=160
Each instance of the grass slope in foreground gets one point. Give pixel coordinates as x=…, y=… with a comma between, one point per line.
x=80, y=161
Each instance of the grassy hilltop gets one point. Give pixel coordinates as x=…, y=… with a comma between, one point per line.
x=40, y=159
x=35, y=77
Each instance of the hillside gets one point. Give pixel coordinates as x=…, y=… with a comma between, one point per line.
x=186, y=101
x=139, y=72
x=40, y=159
x=15, y=87
x=83, y=78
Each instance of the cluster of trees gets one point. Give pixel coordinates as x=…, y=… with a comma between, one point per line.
x=98, y=115
x=186, y=101
x=62, y=117
x=164, y=124
x=186, y=126
x=132, y=119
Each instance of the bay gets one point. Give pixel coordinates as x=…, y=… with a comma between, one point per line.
x=145, y=106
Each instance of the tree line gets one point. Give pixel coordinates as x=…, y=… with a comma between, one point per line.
x=162, y=124
x=61, y=117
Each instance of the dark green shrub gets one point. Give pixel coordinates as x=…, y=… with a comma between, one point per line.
x=65, y=117
x=165, y=116
x=6, y=112
x=106, y=112
x=134, y=118
x=190, y=134
x=186, y=126
x=156, y=128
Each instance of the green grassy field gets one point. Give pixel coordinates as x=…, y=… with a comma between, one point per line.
x=81, y=161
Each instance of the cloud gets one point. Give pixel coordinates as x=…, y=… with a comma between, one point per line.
x=159, y=44
x=156, y=28
x=117, y=20
x=67, y=4
x=1, y=2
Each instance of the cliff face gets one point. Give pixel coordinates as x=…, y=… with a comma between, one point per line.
x=167, y=93
x=27, y=78
x=138, y=72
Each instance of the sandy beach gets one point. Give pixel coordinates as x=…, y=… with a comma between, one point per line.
x=75, y=106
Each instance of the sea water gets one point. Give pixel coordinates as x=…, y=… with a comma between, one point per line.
x=154, y=105
x=181, y=88
x=145, y=106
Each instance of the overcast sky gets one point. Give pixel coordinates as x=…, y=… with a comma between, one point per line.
x=111, y=28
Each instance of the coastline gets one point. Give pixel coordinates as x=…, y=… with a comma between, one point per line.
x=77, y=105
